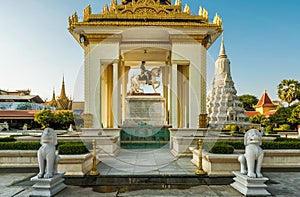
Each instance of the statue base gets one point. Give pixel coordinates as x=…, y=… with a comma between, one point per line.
x=148, y=109
x=250, y=186
x=48, y=187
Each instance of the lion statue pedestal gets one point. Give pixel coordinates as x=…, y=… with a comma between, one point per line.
x=249, y=181
x=48, y=182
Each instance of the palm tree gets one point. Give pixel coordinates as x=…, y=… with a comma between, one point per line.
x=289, y=90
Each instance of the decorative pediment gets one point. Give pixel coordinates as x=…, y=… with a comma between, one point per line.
x=140, y=7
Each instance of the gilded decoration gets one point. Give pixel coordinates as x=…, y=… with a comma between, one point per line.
x=145, y=12
x=155, y=13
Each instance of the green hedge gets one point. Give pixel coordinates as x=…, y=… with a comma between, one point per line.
x=74, y=148
x=281, y=145
x=283, y=139
x=64, y=148
x=7, y=139
x=235, y=144
x=227, y=147
x=222, y=148
x=20, y=145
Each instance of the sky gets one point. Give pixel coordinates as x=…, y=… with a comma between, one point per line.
x=261, y=39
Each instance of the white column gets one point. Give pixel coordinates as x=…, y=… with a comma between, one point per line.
x=194, y=96
x=203, y=82
x=92, y=85
x=116, y=95
x=86, y=81
x=174, y=93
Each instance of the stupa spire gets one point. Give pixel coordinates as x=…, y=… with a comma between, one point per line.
x=223, y=106
x=222, y=53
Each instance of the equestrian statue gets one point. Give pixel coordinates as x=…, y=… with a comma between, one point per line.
x=145, y=77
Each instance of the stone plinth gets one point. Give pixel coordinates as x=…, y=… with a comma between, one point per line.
x=48, y=187
x=75, y=165
x=182, y=138
x=250, y=186
x=107, y=140
x=149, y=109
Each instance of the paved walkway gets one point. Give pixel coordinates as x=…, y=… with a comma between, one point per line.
x=149, y=162
x=146, y=162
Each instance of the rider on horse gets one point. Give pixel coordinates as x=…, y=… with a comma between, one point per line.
x=145, y=74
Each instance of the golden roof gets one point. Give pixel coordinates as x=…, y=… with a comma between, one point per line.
x=62, y=102
x=145, y=13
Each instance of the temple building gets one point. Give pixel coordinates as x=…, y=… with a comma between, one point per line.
x=223, y=106
x=265, y=106
x=62, y=102
x=157, y=32
x=19, y=107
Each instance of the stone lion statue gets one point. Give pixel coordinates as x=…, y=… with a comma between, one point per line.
x=47, y=157
x=251, y=161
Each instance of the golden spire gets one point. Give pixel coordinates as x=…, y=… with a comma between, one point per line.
x=113, y=5
x=222, y=53
x=53, y=95
x=63, y=90
x=187, y=9
x=217, y=20
x=87, y=12
x=200, y=11
x=105, y=9
x=205, y=14
x=53, y=102
x=178, y=2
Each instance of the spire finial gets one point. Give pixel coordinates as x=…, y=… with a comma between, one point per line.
x=63, y=89
x=222, y=53
x=53, y=94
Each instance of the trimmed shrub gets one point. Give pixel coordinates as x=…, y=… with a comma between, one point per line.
x=74, y=148
x=285, y=127
x=222, y=148
x=7, y=139
x=227, y=127
x=283, y=139
x=20, y=145
x=236, y=144
x=281, y=145
x=269, y=129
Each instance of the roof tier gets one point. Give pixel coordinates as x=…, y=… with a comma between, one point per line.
x=265, y=101
x=145, y=13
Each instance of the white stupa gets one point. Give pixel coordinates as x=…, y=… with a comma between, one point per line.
x=223, y=106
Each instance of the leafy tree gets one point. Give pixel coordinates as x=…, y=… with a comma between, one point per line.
x=295, y=116
x=63, y=119
x=248, y=101
x=44, y=118
x=24, y=106
x=58, y=120
x=257, y=119
x=260, y=119
x=282, y=115
x=289, y=90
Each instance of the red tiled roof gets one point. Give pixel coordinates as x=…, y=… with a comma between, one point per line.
x=17, y=114
x=251, y=113
x=265, y=101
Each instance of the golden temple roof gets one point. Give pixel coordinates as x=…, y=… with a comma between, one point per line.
x=145, y=13
x=117, y=17
x=62, y=102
